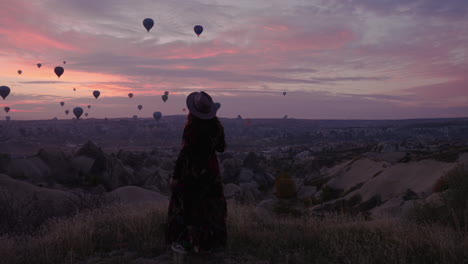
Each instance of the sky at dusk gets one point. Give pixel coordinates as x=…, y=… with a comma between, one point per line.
x=336, y=59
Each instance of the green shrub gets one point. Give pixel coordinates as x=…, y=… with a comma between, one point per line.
x=95, y=179
x=309, y=202
x=328, y=194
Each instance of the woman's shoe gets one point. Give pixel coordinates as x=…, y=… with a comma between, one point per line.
x=196, y=250
x=178, y=248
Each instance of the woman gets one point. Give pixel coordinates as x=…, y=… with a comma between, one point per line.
x=197, y=210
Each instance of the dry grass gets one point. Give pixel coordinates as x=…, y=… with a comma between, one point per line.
x=453, y=210
x=252, y=237
x=66, y=240
x=340, y=239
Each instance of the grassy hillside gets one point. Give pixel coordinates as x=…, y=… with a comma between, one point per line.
x=120, y=234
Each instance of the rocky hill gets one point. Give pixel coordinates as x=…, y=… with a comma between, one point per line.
x=280, y=168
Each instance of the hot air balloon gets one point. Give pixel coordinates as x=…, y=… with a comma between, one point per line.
x=140, y=107
x=64, y=62
x=39, y=65
x=217, y=106
x=74, y=89
x=89, y=106
x=157, y=115
x=130, y=95
x=183, y=109
x=166, y=93
x=62, y=103
x=148, y=23
x=7, y=109
x=198, y=30
x=4, y=91
x=59, y=71
x=20, y=72
x=67, y=111
x=7, y=118
x=285, y=117
x=96, y=94
x=284, y=93
x=164, y=97
x=86, y=114
x=78, y=111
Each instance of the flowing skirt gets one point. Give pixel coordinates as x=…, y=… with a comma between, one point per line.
x=197, y=209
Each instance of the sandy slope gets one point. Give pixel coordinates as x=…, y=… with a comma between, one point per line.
x=137, y=195
x=28, y=196
x=396, y=180
x=23, y=190
x=346, y=176
x=389, y=181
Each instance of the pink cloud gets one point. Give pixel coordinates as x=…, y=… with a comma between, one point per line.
x=27, y=39
x=303, y=42
x=24, y=111
x=28, y=29
x=181, y=50
x=440, y=90
x=276, y=28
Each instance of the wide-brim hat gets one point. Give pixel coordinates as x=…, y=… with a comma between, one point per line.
x=201, y=105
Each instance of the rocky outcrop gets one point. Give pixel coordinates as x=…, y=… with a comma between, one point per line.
x=132, y=158
x=231, y=190
x=264, y=180
x=249, y=192
x=115, y=174
x=90, y=150
x=61, y=170
x=245, y=176
x=5, y=160
x=27, y=206
x=33, y=169
x=230, y=169
x=53, y=157
x=82, y=164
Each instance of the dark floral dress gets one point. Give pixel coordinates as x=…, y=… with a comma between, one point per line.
x=197, y=198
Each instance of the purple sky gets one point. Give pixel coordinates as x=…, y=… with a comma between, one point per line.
x=336, y=59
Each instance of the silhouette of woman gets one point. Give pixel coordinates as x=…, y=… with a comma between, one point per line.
x=197, y=209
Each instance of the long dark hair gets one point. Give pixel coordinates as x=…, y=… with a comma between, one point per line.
x=203, y=135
